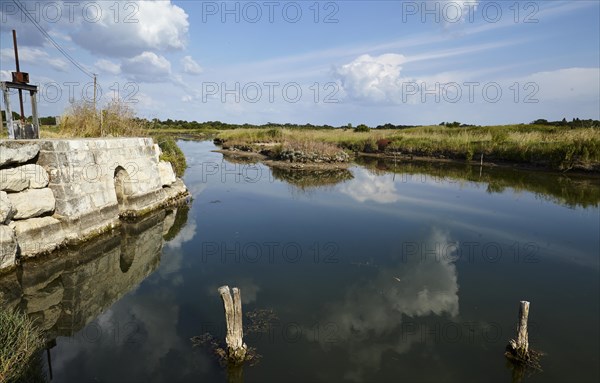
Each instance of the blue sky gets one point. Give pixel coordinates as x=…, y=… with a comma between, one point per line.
x=373, y=62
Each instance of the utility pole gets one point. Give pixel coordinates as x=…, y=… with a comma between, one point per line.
x=95, y=103
x=94, y=92
x=14, y=33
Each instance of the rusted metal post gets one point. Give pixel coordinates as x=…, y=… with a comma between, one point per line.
x=236, y=348
x=14, y=34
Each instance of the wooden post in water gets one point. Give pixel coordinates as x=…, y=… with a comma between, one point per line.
x=481, y=165
x=520, y=348
x=236, y=348
x=522, y=333
x=518, y=352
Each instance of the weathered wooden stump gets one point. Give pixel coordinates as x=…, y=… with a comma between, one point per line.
x=520, y=347
x=518, y=351
x=236, y=348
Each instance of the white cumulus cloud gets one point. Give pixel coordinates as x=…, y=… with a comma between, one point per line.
x=147, y=67
x=372, y=78
x=190, y=66
x=108, y=66
x=139, y=26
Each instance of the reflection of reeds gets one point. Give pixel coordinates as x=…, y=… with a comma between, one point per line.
x=181, y=218
x=559, y=188
x=313, y=178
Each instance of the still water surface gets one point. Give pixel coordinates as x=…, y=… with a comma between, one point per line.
x=385, y=272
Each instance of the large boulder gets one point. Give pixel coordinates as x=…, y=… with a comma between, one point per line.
x=6, y=209
x=36, y=235
x=22, y=177
x=12, y=180
x=8, y=247
x=32, y=203
x=166, y=173
x=37, y=175
x=18, y=155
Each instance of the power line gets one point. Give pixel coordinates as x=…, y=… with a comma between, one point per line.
x=60, y=49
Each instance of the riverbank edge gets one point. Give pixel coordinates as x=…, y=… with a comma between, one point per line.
x=281, y=164
x=404, y=158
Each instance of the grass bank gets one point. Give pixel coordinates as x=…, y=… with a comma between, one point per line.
x=553, y=147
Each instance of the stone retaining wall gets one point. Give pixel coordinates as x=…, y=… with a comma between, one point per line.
x=54, y=192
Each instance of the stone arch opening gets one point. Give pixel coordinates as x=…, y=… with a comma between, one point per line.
x=123, y=187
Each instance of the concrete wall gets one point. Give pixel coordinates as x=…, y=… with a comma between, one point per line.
x=54, y=192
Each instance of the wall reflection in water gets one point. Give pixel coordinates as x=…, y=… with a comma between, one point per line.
x=67, y=289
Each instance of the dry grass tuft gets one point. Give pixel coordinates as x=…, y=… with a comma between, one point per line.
x=20, y=342
x=116, y=119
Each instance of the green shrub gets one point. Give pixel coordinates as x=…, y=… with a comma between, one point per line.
x=172, y=153
x=362, y=128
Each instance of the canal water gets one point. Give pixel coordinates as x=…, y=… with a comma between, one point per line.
x=385, y=272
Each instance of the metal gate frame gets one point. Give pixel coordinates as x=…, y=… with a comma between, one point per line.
x=15, y=130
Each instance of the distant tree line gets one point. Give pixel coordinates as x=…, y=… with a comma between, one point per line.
x=49, y=120
x=218, y=125
x=574, y=123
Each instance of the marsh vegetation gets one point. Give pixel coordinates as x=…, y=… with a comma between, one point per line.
x=555, y=147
